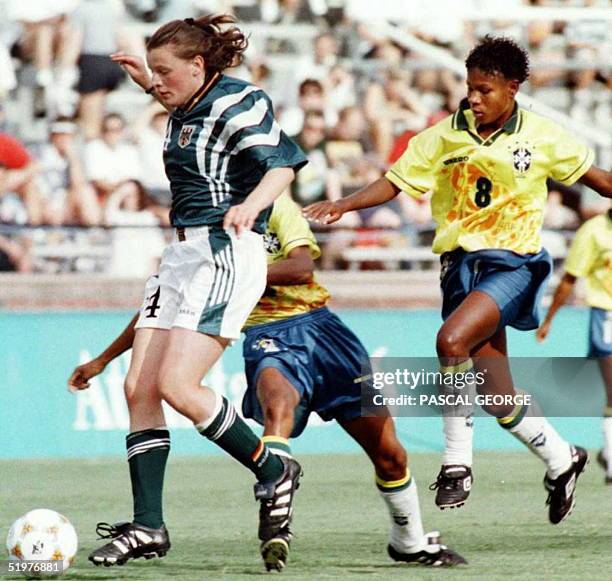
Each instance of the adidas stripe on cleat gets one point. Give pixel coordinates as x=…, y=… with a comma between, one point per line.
x=561, y=498
x=276, y=509
x=433, y=555
x=453, y=485
x=130, y=541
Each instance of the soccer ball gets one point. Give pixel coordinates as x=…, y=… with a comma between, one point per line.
x=42, y=535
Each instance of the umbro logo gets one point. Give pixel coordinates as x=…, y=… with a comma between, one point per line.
x=400, y=520
x=456, y=160
x=538, y=441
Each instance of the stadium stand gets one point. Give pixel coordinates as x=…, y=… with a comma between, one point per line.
x=349, y=86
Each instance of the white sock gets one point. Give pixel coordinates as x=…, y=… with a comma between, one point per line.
x=607, y=451
x=458, y=438
x=537, y=433
x=458, y=419
x=407, y=535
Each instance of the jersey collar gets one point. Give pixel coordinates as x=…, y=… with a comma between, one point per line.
x=199, y=94
x=463, y=120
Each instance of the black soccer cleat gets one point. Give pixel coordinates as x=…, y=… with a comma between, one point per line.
x=434, y=555
x=276, y=512
x=453, y=485
x=130, y=541
x=275, y=552
x=601, y=460
x=561, y=497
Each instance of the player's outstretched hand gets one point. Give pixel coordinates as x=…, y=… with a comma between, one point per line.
x=83, y=373
x=323, y=212
x=135, y=67
x=542, y=332
x=241, y=217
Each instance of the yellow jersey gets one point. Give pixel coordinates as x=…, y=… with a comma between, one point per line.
x=590, y=256
x=287, y=229
x=489, y=193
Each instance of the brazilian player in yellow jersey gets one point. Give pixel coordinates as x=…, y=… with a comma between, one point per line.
x=590, y=257
x=487, y=166
x=300, y=358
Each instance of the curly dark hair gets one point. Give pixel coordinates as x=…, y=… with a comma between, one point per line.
x=499, y=55
x=220, y=47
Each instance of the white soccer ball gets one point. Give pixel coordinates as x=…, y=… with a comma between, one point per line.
x=42, y=535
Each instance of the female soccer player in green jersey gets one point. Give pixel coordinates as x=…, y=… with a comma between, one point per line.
x=487, y=166
x=590, y=256
x=300, y=358
x=227, y=160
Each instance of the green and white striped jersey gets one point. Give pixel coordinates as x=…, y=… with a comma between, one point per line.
x=218, y=148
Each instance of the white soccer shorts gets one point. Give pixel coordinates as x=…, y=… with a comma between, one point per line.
x=209, y=281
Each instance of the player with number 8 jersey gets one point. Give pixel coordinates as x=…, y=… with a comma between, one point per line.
x=487, y=167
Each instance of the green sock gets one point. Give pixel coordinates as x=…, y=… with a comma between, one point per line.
x=230, y=432
x=147, y=452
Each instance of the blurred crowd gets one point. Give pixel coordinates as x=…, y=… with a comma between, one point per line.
x=80, y=147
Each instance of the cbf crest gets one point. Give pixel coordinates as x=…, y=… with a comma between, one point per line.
x=521, y=158
x=185, y=135
x=271, y=243
x=266, y=345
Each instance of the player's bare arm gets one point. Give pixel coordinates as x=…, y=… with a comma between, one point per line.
x=599, y=180
x=272, y=185
x=564, y=290
x=374, y=194
x=79, y=379
x=296, y=268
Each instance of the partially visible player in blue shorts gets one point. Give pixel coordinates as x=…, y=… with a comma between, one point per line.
x=590, y=257
x=300, y=358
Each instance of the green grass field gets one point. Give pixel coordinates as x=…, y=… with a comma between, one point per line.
x=340, y=525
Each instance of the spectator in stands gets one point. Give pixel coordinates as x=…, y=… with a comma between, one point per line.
x=589, y=41
x=112, y=164
x=311, y=98
x=20, y=199
x=101, y=33
x=138, y=242
x=392, y=108
x=556, y=215
x=66, y=195
x=149, y=133
x=316, y=181
x=50, y=42
x=352, y=127
x=15, y=255
x=295, y=12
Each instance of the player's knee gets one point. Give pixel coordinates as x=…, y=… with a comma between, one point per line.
x=170, y=387
x=136, y=394
x=391, y=463
x=449, y=343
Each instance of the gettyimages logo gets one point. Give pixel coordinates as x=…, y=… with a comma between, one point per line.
x=561, y=387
